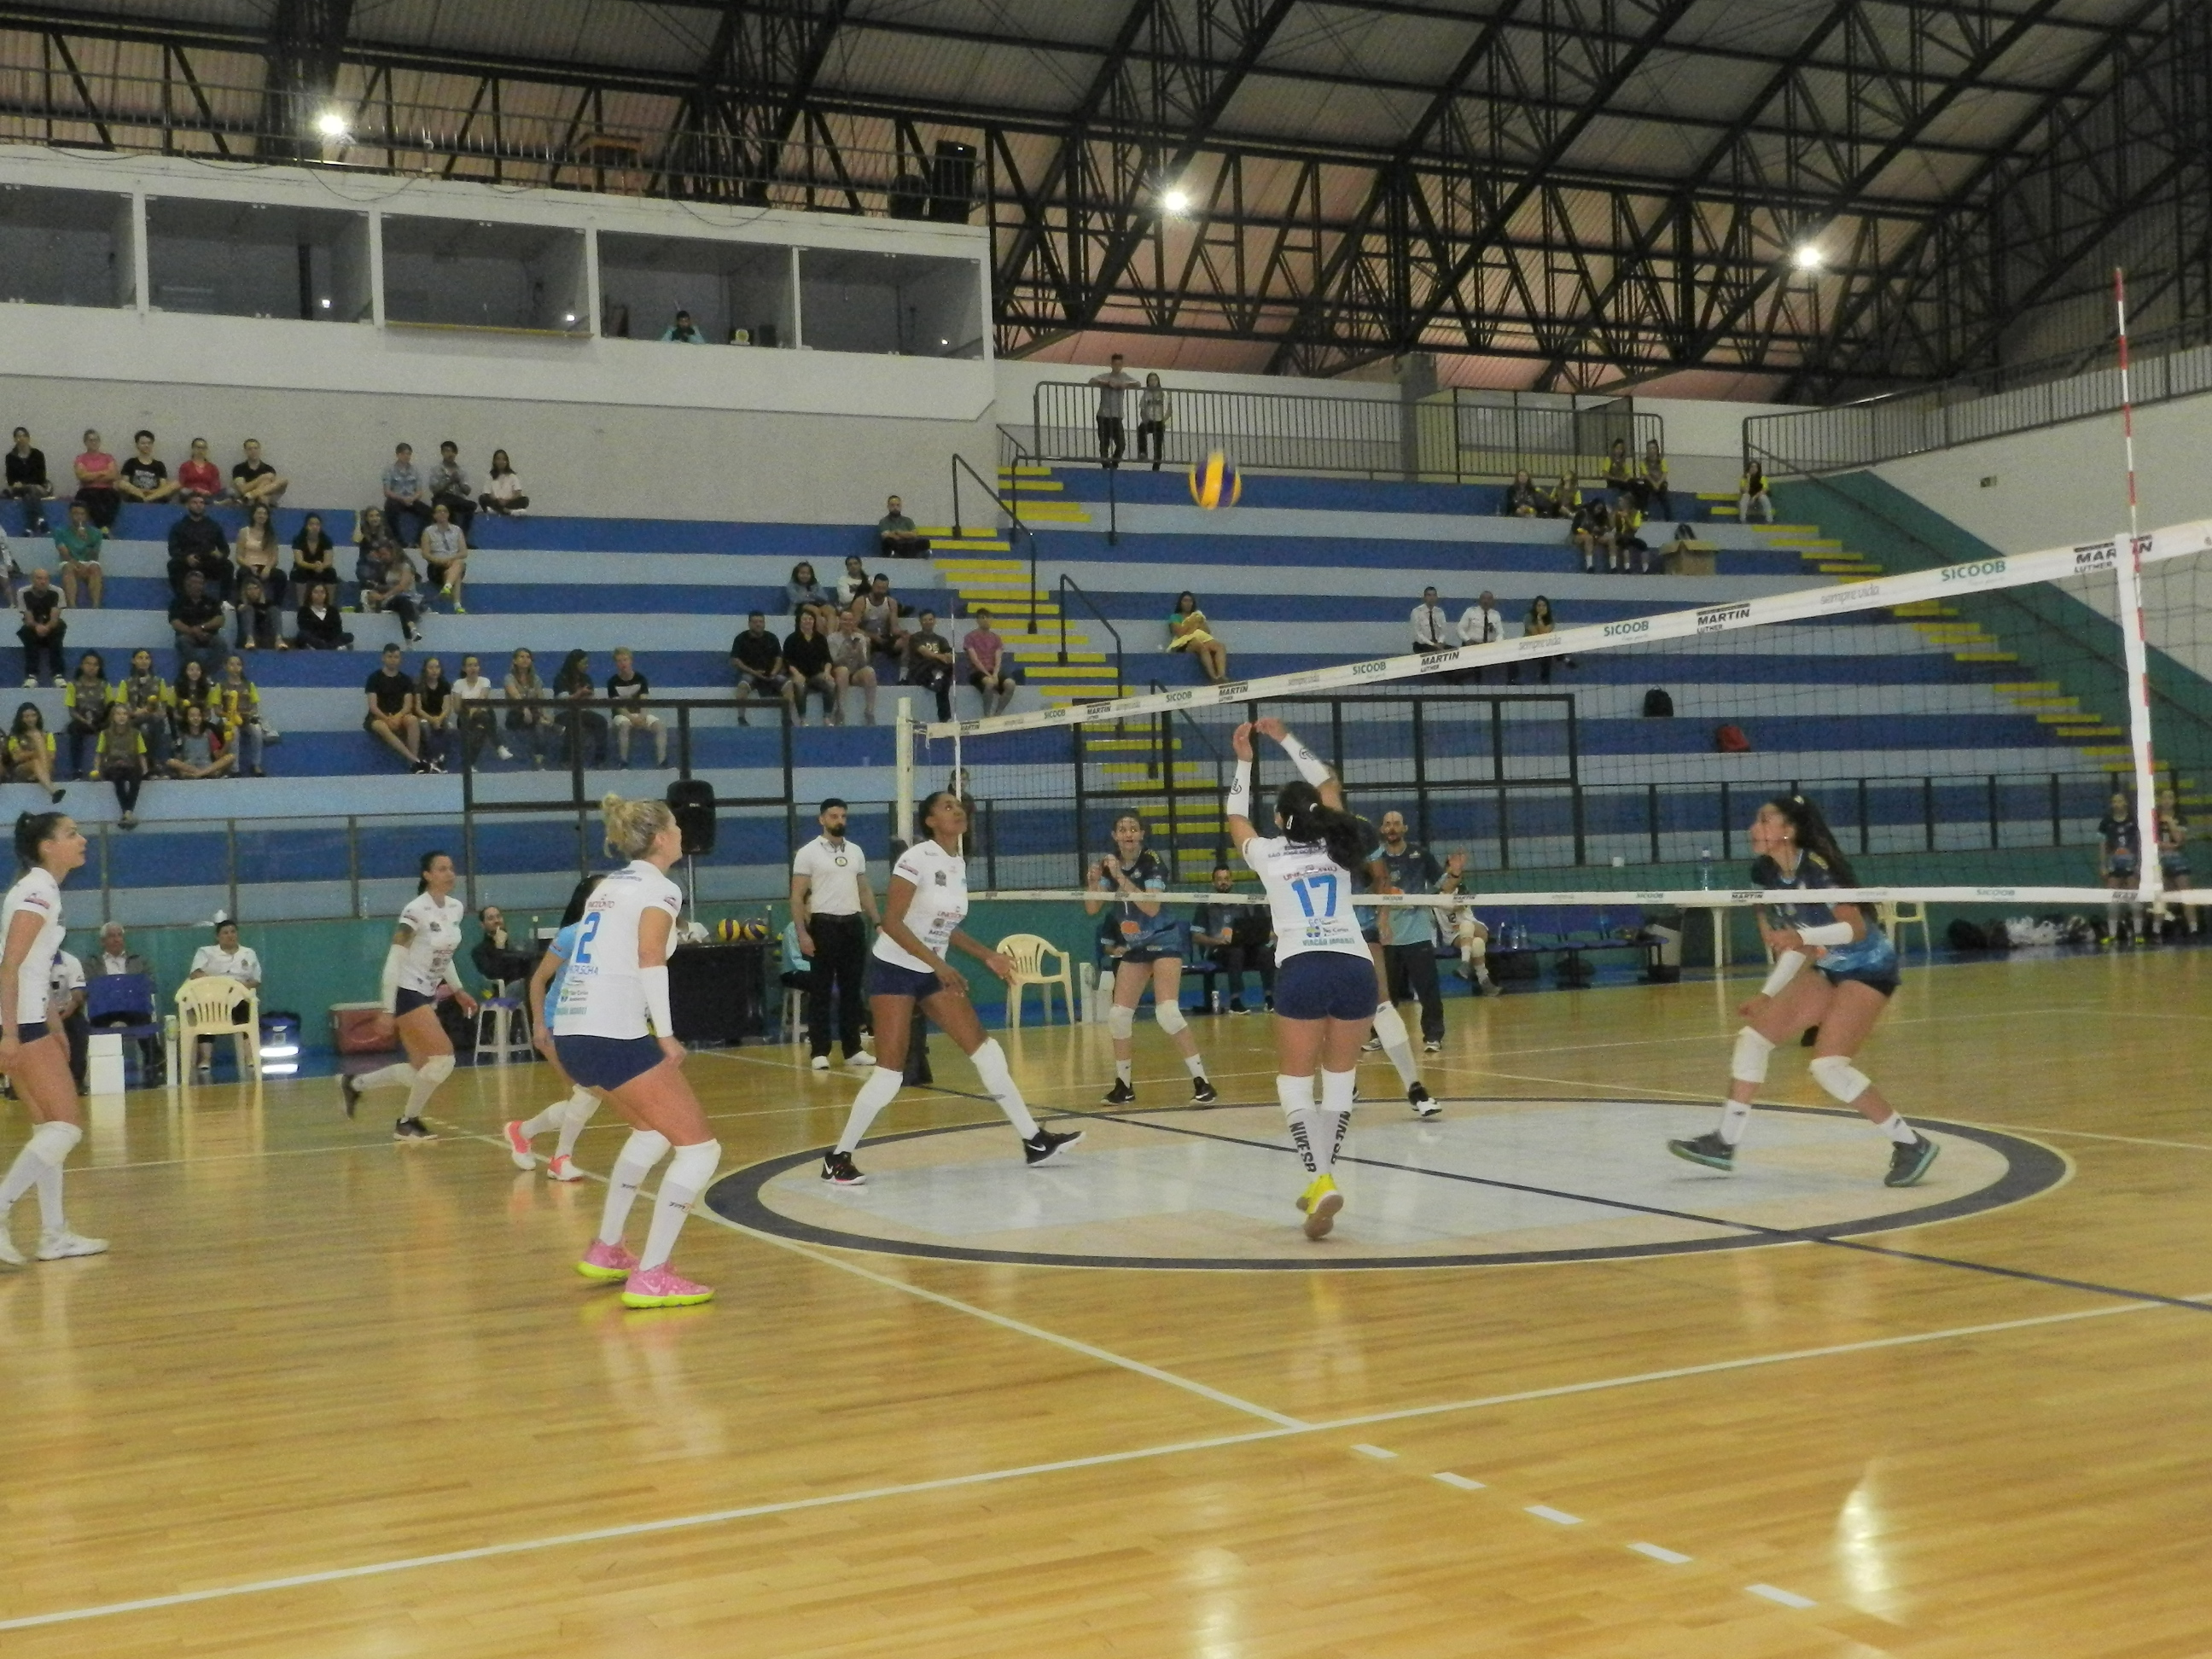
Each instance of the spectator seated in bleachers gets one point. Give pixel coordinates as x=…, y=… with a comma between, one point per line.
x=79, y=543
x=259, y=623
x=195, y=685
x=43, y=628
x=1619, y=472
x=320, y=624
x=1592, y=534
x=449, y=486
x=143, y=477
x=803, y=592
x=121, y=759
x=878, y=614
x=573, y=686
x=389, y=716
x=144, y=696
x=444, y=550
x=404, y=497
x=97, y=476
x=115, y=959
x=527, y=716
x=28, y=482
x=478, y=720
x=1522, y=499
x=196, y=622
x=806, y=666
x=1651, y=483
x=196, y=475
x=197, y=543
x=757, y=660
x=854, y=583
x=626, y=690
x=989, y=671
x=369, y=528
x=224, y=959
x=258, y=553
x=1539, y=620
x=1189, y=633
x=389, y=585
x=240, y=709
x=437, y=712
x=1566, y=497
x=314, y=559
x=930, y=663
x=85, y=697
x=503, y=493
x=895, y=534
x=1628, y=541
x=1753, y=493
x=254, y=482
x=199, y=751
x=851, y=663
x=30, y=751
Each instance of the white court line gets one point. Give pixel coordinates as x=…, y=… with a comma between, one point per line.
x=1459, y=1481
x=642, y=1529
x=1787, y=1598
x=1366, y=1450
x=1659, y=1552
x=1557, y=1517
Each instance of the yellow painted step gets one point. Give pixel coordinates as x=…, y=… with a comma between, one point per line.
x=2011, y=686
x=1072, y=671
x=1984, y=656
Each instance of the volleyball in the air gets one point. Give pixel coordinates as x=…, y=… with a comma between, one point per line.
x=1214, y=482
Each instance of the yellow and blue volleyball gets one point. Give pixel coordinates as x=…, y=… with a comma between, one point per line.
x=726, y=929
x=1214, y=482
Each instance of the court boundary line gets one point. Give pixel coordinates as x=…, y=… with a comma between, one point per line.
x=987, y=1477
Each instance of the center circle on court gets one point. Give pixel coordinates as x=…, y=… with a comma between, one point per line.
x=1488, y=1183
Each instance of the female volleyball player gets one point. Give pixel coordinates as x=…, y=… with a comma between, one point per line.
x=569, y=1115
x=1151, y=955
x=614, y=1033
x=1324, y=977
x=49, y=846
x=921, y=921
x=419, y=960
x=2119, y=865
x=1855, y=973
x=2173, y=850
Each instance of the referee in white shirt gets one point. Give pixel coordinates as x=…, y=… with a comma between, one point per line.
x=1481, y=624
x=1431, y=624
x=833, y=907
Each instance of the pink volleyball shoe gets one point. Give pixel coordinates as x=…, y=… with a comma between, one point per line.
x=518, y=1146
x=661, y=1287
x=563, y=1168
x=607, y=1262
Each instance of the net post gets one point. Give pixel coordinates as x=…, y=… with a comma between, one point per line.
x=902, y=773
x=2127, y=570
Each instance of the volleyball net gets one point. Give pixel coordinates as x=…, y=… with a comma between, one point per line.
x=1965, y=729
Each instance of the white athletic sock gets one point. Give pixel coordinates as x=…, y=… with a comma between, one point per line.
x=875, y=1094
x=401, y=1076
x=1897, y=1129
x=426, y=1079
x=1194, y=1064
x=546, y=1122
x=1330, y=1118
x=576, y=1112
x=1122, y=1071
x=639, y=1154
x=690, y=1172
x=22, y=1175
x=1391, y=1027
x=1297, y=1094
x=1735, y=1117
x=50, y=1197
x=990, y=1063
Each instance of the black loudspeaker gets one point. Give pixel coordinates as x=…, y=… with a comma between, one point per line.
x=692, y=802
x=952, y=182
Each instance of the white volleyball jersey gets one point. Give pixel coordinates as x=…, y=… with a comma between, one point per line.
x=39, y=893
x=435, y=926
x=602, y=993
x=1311, y=895
x=940, y=903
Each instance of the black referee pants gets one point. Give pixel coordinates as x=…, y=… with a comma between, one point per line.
x=841, y=961
x=1413, y=973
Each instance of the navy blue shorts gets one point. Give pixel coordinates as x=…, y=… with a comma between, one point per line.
x=891, y=979
x=1325, y=985
x=407, y=1002
x=31, y=1031
x=1880, y=978
x=1145, y=956
x=599, y=1062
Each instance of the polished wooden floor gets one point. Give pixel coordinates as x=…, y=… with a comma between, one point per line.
x=331, y=1397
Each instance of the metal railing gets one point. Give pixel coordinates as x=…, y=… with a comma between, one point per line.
x=2173, y=363
x=1461, y=436
x=1069, y=585
x=1002, y=501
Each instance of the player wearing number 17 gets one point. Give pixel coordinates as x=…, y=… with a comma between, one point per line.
x=1324, y=977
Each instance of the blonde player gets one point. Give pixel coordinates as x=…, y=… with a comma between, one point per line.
x=614, y=1034
x=921, y=921
x=569, y=1115
x=421, y=959
x=1324, y=977
x=34, y=1054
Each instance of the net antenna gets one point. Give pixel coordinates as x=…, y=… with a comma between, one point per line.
x=2150, y=877
x=903, y=775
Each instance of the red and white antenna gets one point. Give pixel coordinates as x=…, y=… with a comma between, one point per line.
x=2150, y=878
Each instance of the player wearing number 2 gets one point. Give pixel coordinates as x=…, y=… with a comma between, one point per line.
x=1324, y=977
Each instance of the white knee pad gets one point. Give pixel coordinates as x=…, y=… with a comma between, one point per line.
x=1751, y=1049
x=1840, y=1078
x=1120, y=1022
x=1389, y=1024
x=437, y=1069
x=1337, y=1089
x=52, y=1142
x=1169, y=1016
x=692, y=1167
x=1297, y=1094
x=644, y=1149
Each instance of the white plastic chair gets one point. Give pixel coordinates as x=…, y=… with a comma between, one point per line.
x=1033, y=957
x=205, y=1008
x=509, y=1033
x=1907, y=913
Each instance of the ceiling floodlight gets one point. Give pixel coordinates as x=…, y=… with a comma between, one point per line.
x=1807, y=257
x=1177, y=201
x=331, y=125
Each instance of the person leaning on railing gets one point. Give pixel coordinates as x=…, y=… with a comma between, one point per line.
x=1152, y=420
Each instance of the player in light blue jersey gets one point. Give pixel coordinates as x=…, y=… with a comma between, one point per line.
x=568, y=1117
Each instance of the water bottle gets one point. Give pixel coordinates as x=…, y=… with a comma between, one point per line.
x=1706, y=867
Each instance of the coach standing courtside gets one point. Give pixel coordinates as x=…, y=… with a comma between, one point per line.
x=1410, y=956
x=834, y=908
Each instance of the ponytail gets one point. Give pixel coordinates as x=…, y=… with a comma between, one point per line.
x=1814, y=836
x=32, y=831
x=633, y=825
x=1308, y=821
